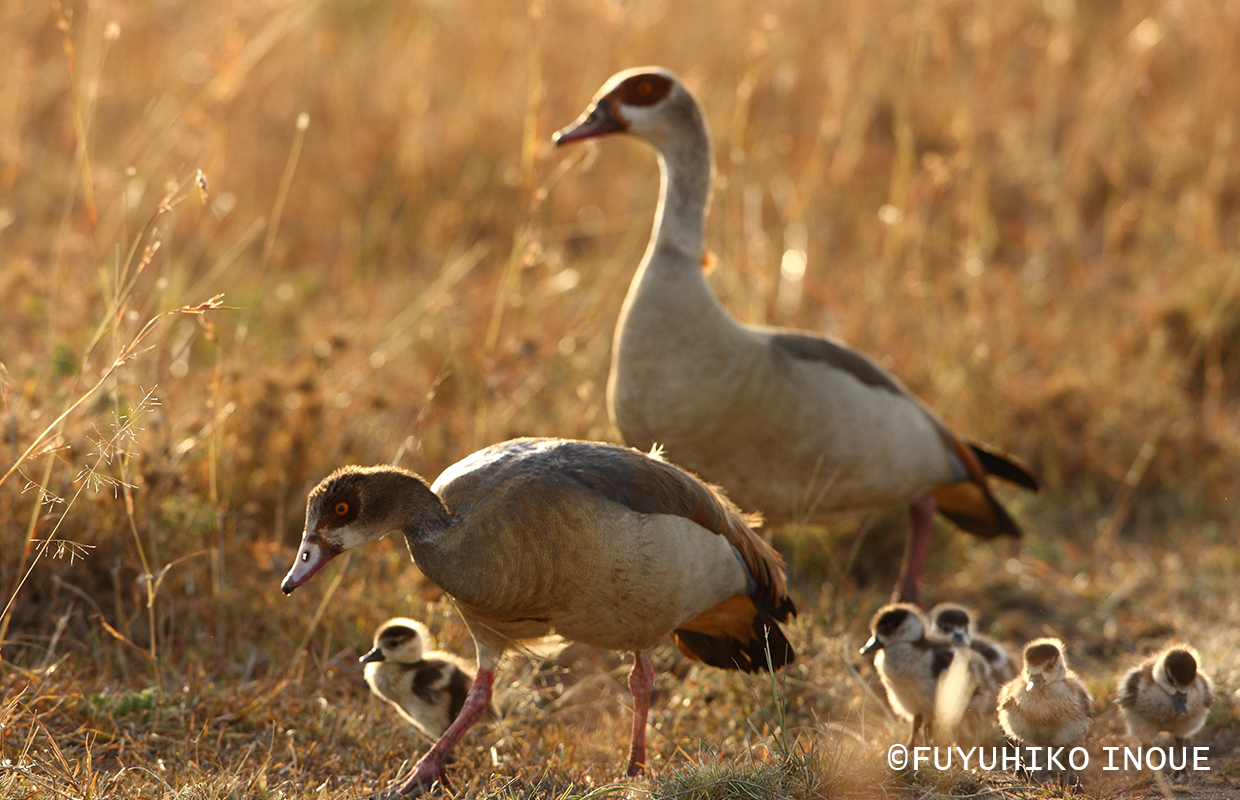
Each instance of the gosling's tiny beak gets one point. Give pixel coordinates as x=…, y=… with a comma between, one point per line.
x=872, y=645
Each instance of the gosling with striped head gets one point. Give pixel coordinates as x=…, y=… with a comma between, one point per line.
x=428, y=689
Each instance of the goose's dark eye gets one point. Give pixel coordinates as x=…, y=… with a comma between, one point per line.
x=342, y=509
x=644, y=89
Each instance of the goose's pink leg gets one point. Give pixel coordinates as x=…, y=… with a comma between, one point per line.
x=433, y=766
x=641, y=684
x=921, y=514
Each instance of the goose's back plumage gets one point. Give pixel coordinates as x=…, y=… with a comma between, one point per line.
x=799, y=458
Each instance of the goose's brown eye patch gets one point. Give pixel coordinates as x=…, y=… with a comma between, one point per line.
x=644, y=90
x=334, y=503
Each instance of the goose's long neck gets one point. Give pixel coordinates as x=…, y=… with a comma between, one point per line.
x=670, y=279
x=423, y=516
x=680, y=221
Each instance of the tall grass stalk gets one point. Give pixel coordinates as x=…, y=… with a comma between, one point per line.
x=112, y=449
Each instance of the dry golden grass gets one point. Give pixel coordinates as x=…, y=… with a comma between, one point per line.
x=1030, y=211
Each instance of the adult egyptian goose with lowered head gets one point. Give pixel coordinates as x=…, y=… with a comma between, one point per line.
x=793, y=424
x=597, y=543
x=427, y=688
x=1166, y=692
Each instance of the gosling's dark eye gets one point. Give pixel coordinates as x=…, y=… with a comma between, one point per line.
x=342, y=509
x=305, y=556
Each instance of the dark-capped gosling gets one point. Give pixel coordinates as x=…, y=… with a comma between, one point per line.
x=1166, y=692
x=427, y=688
x=909, y=663
x=955, y=622
x=1046, y=705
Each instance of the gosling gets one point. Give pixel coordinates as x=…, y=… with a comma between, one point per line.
x=955, y=622
x=966, y=700
x=427, y=689
x=1047, y=705
x=909, y=663
x=1166, y=692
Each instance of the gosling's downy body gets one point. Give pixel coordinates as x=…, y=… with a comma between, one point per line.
x=909, y=663
x=1166, y=692
x=966, y=700
x=597, y=543
x=955, y=622
x=1046, y=705
x=427, y=688
x=790, y=423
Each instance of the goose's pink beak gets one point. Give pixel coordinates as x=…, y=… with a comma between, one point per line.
x=597, y=121
x=311, y=557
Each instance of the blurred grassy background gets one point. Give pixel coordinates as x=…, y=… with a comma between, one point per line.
x=1028, y=210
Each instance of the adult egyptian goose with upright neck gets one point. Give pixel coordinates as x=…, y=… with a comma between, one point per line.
x=793, y=424
x=597, y=543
